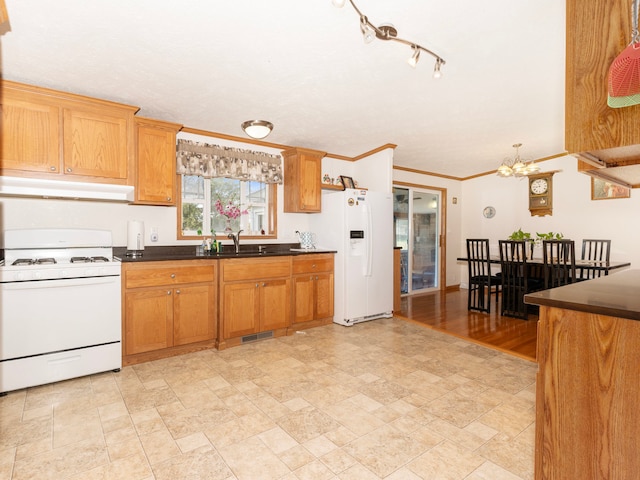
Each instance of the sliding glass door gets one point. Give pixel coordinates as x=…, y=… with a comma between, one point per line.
x=416, y=214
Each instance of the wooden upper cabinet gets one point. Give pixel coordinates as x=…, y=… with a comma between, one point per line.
x=95, y=143
x=597, y=31
x=4, y=15
x=56, y=133
x=30, y=135
x=155, y=161
x=302, y=180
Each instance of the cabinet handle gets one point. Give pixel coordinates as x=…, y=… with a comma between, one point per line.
x=178, y=292
x=168, y=292
x=257, y=285
x=69, y=170
x=316, y=277
x=173, y=275
x=168, y=199
x=311, y=277
x=264, y=284
x=313, y=266
x=52, y=168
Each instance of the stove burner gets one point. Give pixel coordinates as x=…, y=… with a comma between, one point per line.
x=80, y=260
x=89, y=259
x=45, y=261
x=24, y=261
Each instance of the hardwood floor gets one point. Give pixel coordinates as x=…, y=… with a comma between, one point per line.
x=447, y=312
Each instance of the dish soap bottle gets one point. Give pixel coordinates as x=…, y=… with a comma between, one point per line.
x=214, y=244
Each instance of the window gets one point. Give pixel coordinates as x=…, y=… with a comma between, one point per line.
x=214, y=204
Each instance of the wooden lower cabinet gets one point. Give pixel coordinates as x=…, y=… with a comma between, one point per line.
x=172, y=307
x=255, y=297
x=168, y=308
x=312, y=290
x=587, y=420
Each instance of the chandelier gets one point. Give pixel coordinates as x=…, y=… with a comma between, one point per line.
x=388, y=32
x=517, y=167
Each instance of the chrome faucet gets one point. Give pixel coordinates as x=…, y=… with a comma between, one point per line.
x=236, y=239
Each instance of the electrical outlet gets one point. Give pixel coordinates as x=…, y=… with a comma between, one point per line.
x=154, y=234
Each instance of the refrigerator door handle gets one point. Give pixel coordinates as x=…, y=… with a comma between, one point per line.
x=368, y=242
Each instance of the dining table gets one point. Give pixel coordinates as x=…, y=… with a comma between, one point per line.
x=535, y=272
x=598, y=265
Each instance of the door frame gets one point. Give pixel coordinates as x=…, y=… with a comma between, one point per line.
x=442, y=240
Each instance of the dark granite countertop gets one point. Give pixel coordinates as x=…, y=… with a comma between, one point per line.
x=616, y=295
x=190, y=252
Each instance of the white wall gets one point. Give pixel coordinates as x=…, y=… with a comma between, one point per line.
x=454, y=215
x=575, y=215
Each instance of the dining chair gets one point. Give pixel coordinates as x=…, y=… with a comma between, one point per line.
x=515, y=278
x=597, y=251
x=559, y=258
x=482, y=284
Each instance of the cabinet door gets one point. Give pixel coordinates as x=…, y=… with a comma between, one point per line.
x=148, y=320
x=240, y=309
x=193, y=315
x=324, y=295
x=30, y=137
x=275, y=304
x=156, y=161
x=302, y=186
x=95, y=144
x=303, y=298
x=310, y=168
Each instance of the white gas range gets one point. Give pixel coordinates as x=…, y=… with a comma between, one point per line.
x=60, y=307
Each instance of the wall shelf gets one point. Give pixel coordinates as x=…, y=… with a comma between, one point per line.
x=328, y=186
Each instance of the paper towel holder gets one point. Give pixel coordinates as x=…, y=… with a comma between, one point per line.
x=134, y=253
x=135, y=239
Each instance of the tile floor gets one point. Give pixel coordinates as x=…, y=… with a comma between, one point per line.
x=384, y=399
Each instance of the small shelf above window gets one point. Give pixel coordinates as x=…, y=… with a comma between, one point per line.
x=328, y=186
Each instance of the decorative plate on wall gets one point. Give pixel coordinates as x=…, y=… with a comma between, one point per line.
x=489, y=212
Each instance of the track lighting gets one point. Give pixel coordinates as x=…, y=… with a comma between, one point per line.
x=388, y=32
x=436, y=68
x=413, y=61
x=368, y=33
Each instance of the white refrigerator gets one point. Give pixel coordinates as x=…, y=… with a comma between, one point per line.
x=358, y=224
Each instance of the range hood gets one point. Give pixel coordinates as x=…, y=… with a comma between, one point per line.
x=36, y=187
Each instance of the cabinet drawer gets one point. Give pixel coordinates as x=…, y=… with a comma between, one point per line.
x=168, y=275
x=257, y=268
x=313, y=263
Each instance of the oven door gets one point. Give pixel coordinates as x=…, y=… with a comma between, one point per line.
x=41, y=317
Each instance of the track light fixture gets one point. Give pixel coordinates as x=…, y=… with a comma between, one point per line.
x=413, y=60
x=388, y=32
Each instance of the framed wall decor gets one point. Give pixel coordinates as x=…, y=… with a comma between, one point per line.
x=347, y=182
x=603, y=190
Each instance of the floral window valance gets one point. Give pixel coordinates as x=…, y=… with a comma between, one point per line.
x=205, y=160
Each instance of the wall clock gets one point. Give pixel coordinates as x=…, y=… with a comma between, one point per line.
x=489, y=212
x=541, y=194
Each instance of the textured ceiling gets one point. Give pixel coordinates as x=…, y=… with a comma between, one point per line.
x=303, y=65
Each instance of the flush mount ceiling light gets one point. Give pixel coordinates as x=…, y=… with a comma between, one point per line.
x=257, y=128
x=388, y=32
x=517, y=167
